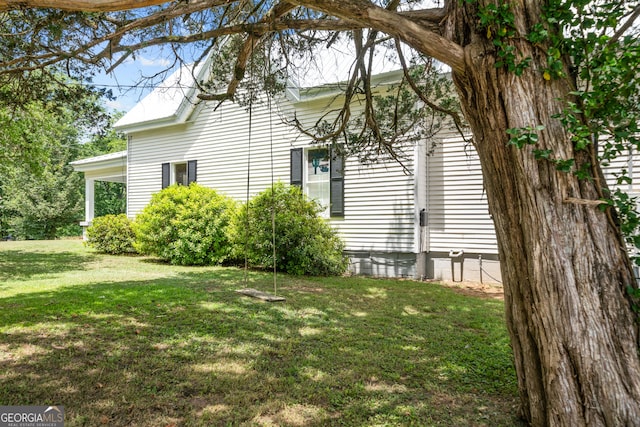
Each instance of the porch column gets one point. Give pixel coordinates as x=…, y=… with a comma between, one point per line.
x=89, y=205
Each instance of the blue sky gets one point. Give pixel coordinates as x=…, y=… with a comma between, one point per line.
x=123, y=80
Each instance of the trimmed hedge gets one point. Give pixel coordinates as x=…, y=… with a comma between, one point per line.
x=111, y=234
x=305, y=243
x=186, y=226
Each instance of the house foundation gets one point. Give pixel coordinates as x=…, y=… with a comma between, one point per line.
x=456, y=267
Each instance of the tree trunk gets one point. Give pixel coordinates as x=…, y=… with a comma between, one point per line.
x=564, y=265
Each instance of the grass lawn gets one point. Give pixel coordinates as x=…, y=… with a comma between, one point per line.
x=126, y=341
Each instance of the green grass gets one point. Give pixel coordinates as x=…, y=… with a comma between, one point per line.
x=126, y=341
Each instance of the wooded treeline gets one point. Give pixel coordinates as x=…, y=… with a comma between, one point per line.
x=41, y=196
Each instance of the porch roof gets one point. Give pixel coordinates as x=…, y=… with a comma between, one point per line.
x=108, y=167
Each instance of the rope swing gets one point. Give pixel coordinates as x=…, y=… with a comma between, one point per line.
x=250, y=291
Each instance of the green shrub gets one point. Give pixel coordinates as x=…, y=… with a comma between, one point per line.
x=305, y=243
x=186, y=226
x=111, y=234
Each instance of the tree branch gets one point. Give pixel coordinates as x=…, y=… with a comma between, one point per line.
x=408, y=26
x=80, y=5
x=392, y=23
x=279, y=10
x=634, y=15
x=457, y=120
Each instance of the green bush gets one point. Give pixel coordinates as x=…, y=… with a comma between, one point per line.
x=111, y=234
x=186, y=226
x=305, y=243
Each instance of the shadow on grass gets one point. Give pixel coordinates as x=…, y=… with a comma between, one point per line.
x=189, y=351
x=24, y=264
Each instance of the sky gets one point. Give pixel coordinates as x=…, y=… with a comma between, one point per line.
x=328, y=66
x=151, y=61
x=123, y=81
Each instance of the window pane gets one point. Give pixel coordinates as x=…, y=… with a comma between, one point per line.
x=317, y=165
x=181, y=173
x=317, y=177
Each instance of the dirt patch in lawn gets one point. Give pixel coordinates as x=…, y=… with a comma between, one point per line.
x=476, y=289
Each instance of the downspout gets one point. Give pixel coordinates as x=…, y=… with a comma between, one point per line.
x=421, y=214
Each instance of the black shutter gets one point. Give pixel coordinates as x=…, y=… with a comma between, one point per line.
x=166, y=175
x=192, y=175
x=336, y=182
x=296, y=167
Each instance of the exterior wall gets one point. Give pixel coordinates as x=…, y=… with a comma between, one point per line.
x=458, y=215
x=379, y=222
x=382, y=200
x=629, y=162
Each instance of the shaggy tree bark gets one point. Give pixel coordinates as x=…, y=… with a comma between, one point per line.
x=564, y=263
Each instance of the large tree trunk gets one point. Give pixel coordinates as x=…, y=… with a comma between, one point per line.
x=564, y=264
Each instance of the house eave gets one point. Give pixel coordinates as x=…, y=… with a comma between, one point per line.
x=108, y=167
x=330, y=90
x=90, y=164
x=175, y=119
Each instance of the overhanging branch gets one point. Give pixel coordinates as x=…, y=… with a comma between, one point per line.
x=80, y=5
x=412, y=33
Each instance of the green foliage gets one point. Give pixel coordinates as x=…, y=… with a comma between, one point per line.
x=110, y=197
x=606, y=108
x=111, y=234
x=521, y=137
x=38, y=205
x=43, y=123
x=603, y=57
x=20, y=140
x=186, y=226
x=43, y=204
x=29, y=104
x=304, y=242
x=634, y=294
x=498, y=21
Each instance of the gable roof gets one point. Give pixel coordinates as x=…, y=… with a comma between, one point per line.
x=172, y=102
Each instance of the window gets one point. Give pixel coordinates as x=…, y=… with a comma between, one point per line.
x=318, y=171
x=181, y=173
x=316, y=177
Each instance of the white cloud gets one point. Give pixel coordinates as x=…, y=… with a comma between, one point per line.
x=118, y=105
x=157, y=62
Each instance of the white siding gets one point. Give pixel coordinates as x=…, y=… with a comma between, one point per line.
x=629, y=162
x=457, y=204
x=379, y=208
x=458, y=211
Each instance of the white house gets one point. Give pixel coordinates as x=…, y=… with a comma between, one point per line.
x=432, y=222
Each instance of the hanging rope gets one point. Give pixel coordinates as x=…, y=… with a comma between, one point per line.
x=273, y=200
x=248, y=192
x=246, y=228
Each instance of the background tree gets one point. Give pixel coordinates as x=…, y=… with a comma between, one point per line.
x=540, y=82
x=42, y=198
x=41, y=194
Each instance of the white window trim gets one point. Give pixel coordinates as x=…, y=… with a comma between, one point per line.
x=172, y=169
x=306, y=181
